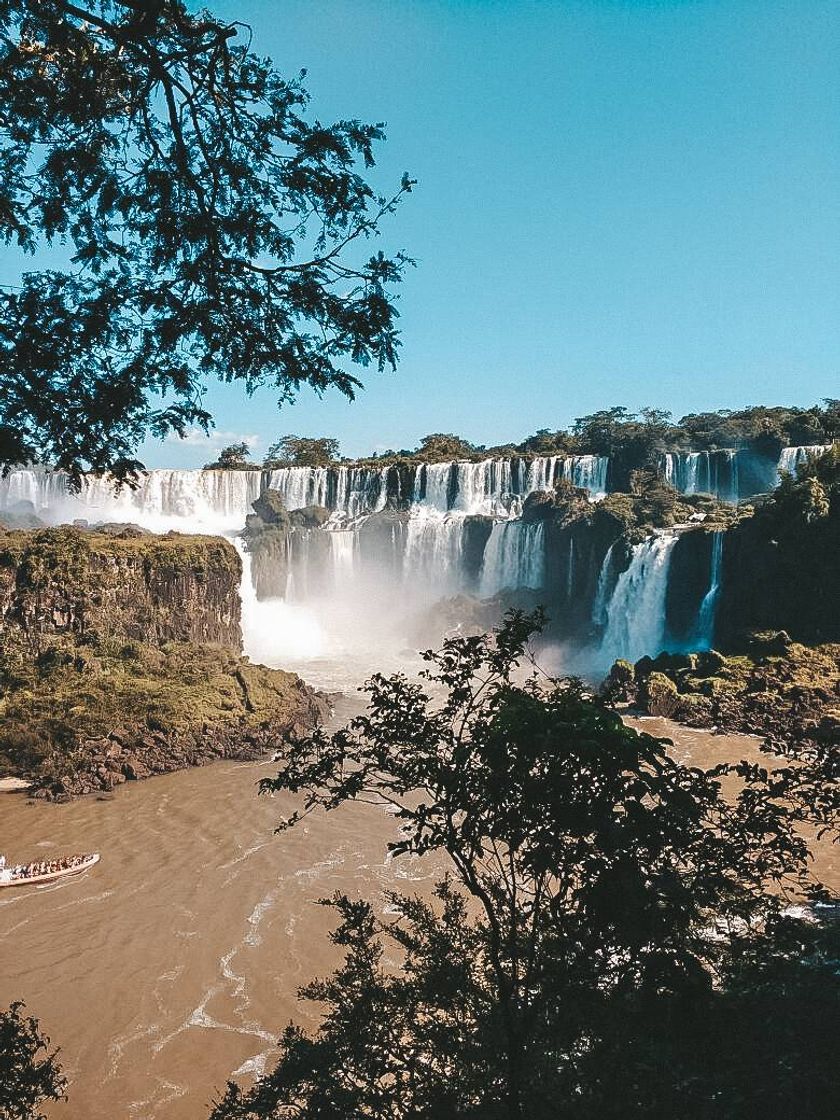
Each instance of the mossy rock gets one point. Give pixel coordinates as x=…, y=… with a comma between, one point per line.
x=271, y=509
x=50, y=710
x=709, y=663
x=694, y=710
x=620, y=684
x=660, y=696
x=769, y=643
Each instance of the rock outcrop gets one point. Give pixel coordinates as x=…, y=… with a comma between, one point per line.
x=88, y=719
x=120, y=658
x=780, y=690
x=70, y=581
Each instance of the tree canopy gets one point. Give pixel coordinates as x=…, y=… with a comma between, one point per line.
x=611, y=914
x=213, y=230
x=29, y=1071
x=302, y=451
x=233, y=457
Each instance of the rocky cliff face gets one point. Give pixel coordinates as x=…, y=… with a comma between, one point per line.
x=119, y=658
x=68, y=581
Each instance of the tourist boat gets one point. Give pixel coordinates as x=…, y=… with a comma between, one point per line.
x=26, y=875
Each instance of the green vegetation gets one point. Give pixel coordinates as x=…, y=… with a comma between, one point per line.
x=214, y=230
x=611, y=941
x=232, y=458
x=29, y=1072
x=36, y=559
x=782, y=566
x=777, y=688
x=120, y=657
x=634, y=441
x=74, y=692
x=301, y=451
x=125, y=583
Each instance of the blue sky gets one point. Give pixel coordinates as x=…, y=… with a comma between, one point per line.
x=618, y=202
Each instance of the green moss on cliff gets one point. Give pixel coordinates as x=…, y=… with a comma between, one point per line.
x=119, y=657
x=792, y=694
x=55, y=709
x=124, y=581
x=70, y=555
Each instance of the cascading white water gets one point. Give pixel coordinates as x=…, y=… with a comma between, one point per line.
x=791, y=458
x=355, y=578
x=704, y=472
x=604, y=589
x=513, y=558
x=706, y=616
x=635, y=615
x=434, y=548
x=192, y=501
x=588, y=472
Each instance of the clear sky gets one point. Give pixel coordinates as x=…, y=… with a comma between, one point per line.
x=619, y=202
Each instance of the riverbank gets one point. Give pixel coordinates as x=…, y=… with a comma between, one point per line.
x=779, y=690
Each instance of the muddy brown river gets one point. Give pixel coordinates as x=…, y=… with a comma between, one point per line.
x=174, y=963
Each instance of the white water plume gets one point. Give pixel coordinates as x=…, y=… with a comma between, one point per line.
x=514, y=558
x=635, y=616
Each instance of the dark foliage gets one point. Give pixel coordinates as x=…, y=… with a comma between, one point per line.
x=782, y=566
x=611, y=912
x=29, y=1072
x=214, y=230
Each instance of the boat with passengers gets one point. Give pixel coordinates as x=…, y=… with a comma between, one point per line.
x=44, y=870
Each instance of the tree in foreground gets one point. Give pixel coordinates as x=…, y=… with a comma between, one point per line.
x=611, y=915
x=213, y=229
x=29, y=1072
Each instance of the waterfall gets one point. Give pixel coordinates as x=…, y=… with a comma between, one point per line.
x=588, y=472
x=635, y=615
x=704, y=472
x=193, y=501
x=604, y=589
x=570, y=571
x=513, y=558
x=433, y=560
x=361, y=574
x=215, y=500
x=792, y=458
x=706, y=616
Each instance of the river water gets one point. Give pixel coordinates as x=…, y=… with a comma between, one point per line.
x=174, y=963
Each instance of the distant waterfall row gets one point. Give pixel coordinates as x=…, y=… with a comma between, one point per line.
x=731, y=474
x=430, y=531
x=704, y=472
x=491, y=487
x=221, y=499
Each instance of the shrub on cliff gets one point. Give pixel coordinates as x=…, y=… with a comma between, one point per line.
x=609, y=914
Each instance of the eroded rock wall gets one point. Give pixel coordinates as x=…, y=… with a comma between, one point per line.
x=89, y=584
